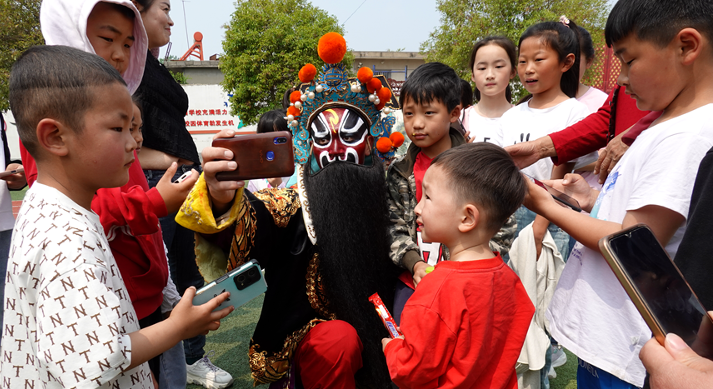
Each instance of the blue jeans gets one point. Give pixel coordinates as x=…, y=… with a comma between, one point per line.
x=173, y=368
x=5, y=239
x=181, y=257
x=524, y=217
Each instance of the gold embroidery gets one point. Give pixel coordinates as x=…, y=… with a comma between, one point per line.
x=267, y=369
x=315, y=289
x=244, y=237
x=281, y=203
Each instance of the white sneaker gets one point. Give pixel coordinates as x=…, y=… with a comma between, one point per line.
x=206, y=374
x=552, y=374
x=559, y=358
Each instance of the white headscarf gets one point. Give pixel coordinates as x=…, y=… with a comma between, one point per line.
x=64, y=22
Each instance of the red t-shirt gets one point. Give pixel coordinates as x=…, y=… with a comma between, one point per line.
x=463, y=327
x=419, y=170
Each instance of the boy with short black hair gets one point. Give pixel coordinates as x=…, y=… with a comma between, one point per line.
x=466, y=322
x=430, y=101
x=69, y=321
x=667, y=65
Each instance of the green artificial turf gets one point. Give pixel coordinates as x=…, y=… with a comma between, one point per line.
x=566, y=374
x=231, y=341
x=18, y=194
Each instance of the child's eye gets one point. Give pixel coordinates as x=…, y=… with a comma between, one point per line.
x=106, y=39
x=118, y=129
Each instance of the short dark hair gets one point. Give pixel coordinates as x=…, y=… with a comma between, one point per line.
x=484, y=174
x=432, y=81
x=54, y=82
x=137, y=100
x=564, y=39
x=658, y=21
x=506, y=44
x=272, y=121
x=122, y=9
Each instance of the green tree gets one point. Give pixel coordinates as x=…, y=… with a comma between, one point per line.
x=19, y=29
x=463, y=22
x=266, y=44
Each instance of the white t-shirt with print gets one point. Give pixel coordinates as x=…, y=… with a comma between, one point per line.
x=67, y=313
x=590, y=313
x=481, y=128
x=522, y=124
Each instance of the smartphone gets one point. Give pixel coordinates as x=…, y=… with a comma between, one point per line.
x=183, y=177
x=244, y=284
x=562, y=198
x=654, y=284
x=264, y=155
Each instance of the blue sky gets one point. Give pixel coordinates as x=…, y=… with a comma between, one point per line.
x=411, y=23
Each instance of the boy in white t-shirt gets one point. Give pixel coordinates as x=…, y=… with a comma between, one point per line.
x=68, y=319
x=665, y=51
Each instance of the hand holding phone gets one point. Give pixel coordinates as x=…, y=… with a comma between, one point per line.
x=656, y=286
x=244, y=284
x=264, y=155
x=562, y=198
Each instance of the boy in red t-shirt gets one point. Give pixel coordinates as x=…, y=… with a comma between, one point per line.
x=466, y=322
x=430, y=101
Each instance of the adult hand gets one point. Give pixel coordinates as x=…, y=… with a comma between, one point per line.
x=526, y=153
x=174, y=195
x=215, y=160
x=16, y=180
x=675, y=365
x=609, y=157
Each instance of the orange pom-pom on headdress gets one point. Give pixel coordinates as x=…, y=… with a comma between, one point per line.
x=365, y=75
x=397, y=138
x=295, y=96
x=293, y=111
x=373, y=85
x=332, y=47
x=384, y=144
x=384, y=94
x=307, y=73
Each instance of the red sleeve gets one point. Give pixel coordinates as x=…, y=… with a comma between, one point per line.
x=583, y=137
x=134, y=208
x=422, y=357
x=28, y=163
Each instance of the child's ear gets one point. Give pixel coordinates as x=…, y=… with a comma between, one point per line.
x=470, y=218
x=51, y=136
x=455, y=114
x=568, y=62
x=689, y=45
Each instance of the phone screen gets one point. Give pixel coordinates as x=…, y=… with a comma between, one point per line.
x=664, y=290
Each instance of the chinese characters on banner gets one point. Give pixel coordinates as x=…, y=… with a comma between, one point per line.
x=216, y=117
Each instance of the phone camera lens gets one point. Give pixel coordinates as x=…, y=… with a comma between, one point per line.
x=241, y=278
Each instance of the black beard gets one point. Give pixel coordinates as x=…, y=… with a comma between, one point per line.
x=350, y=214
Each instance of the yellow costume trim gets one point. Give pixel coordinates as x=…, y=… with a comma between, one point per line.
x=196, y=212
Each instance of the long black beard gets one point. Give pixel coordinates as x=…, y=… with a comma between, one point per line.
x=350, y=214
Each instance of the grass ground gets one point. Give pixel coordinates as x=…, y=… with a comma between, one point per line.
x=230, y=344
x=18, y=194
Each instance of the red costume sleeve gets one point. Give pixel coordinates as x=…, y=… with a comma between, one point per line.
x=590, y=134
x=28, y=163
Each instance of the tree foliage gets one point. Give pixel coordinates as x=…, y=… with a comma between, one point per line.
x=464, y=22
x=19, y=29
x=266, y=44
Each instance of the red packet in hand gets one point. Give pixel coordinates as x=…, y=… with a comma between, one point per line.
x=385, y=316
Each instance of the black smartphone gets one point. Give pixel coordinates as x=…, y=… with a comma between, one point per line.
x=263, y=155
x=244, y=284
x=562, y=198
x=655, y=285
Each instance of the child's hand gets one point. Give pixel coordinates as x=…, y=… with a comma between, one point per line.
x=192, y=320
x=386, y=341
x=175, y=194
x=215, y=160
x=419, y=271
x=578, y=188
x=16, y=180
x=537, y=199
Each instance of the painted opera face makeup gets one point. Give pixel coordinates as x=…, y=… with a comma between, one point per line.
x=339, y=134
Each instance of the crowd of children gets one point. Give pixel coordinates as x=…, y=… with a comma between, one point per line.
x=89, y=301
